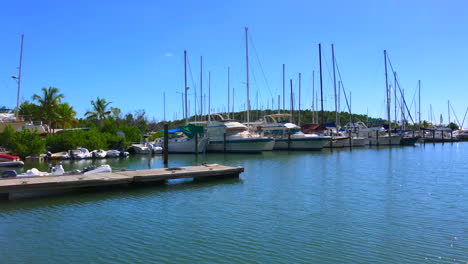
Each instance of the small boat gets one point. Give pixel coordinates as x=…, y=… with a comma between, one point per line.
x=11, y=164
x=6, y=157
x=98, y=154
x=113, y=153
x=100, y=169
x=58, y=156
x=80, y=153
x=144, y=147
x=57, y=171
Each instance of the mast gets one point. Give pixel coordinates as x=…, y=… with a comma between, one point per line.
x=419, y=104
x=334, y=87
x=186, y=88
x=228, y=92
x=18, y=78
x=291, y=119
x=201, y=85
x=395, y=94
x=299, y=121
x=313, y=97
x=247, y=70
x=284, y=85
x=279, y=104
x=388, y=94
x=209, y=96
x=448, y=109
x=321, y=84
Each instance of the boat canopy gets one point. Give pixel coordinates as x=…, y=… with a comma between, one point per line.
x=190, y=130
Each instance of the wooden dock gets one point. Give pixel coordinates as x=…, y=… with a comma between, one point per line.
x=12, y=188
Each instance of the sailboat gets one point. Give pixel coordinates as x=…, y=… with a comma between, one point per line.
x=187, y=139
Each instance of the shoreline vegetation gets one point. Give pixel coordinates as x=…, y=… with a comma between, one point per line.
x=105, y=127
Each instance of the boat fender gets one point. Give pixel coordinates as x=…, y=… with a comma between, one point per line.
x=9, y=174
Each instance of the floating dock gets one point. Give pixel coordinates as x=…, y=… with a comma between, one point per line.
x=14, y=188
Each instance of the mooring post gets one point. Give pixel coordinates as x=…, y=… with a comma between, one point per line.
x=423, y=136
x=442, y=136
x=166, y=144
x=289, y=140
x=350, y=141
x=433, y=136
x=224, y=142
x=451, y=135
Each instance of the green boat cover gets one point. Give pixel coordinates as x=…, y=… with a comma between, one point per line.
x=191, y=130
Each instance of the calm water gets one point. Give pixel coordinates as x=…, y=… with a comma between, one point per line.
x=386, y=205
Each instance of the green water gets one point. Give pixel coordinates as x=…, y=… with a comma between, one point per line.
x=372, y=205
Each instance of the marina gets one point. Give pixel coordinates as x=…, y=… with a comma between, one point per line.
x=396, y=204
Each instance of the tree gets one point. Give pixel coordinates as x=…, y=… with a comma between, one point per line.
x=30, y=111
x=66, y=115
x=48, y=104
x=100, y=111
x=453, y=126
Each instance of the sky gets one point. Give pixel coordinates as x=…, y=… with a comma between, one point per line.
x=132, y=52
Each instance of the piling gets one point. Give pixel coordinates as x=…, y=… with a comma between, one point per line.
x=289, y=140
x=166, y=144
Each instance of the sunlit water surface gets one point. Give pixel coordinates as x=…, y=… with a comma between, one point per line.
x=371, y=205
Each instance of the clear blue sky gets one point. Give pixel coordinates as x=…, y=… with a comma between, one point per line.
x=132, y=52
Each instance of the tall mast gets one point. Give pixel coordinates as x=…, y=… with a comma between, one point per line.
x=448, y=109
x=201, y=85
x=209, y=96
x=284, y=85
x=419, y=104
x=279, y=104
x=299, y=106
x=229, y=88
x=164, y=105
x=247, y=70
x=291, y=119
x=18, y=78
x=186, y=87
x=334, y=87
x=388, y=94
x=321, y=86
x=313, y=97
x=395, y=94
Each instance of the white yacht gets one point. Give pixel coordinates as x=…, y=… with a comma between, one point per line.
x=374, y=135
x=232, y=136
x=288, y=135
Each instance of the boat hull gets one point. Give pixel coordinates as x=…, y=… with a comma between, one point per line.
x=306, y=143
x=244, y=145
x=187, y=146
x=385, y=140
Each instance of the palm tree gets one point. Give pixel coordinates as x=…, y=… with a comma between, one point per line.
x=48, y=103
x=66, y=115
x=100, y=110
